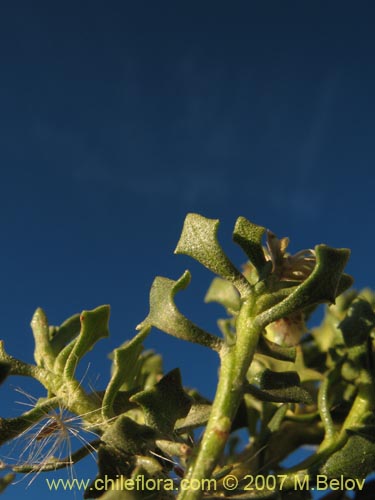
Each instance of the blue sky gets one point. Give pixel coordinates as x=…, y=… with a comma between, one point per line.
x=119, y=118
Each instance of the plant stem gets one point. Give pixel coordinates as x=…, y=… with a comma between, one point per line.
x=235, y=361
x=60, y=463
x=362, y=405
x=325, y=414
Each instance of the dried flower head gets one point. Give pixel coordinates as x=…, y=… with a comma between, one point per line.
x=287, y=267
x=50, y=443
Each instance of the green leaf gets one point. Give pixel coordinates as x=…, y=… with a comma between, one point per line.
x=94, y=326
x=199, y=241
x=278, y=380
x=18, y=367
x=126, y=366
x=358, y=323
x=280, y=387
x=277, y=418
x=165, y=403
x=112, y=463
x=63, y=339
x=288, y=395
x=61, y=335
x=249, y=237
x=43, y=354
x=344, y=283
x=62, y=357
x=165, y=316
x=356, y=459
x=321, y=286
x=124, y=444
x=129, y=436
x=151, y=369
x=224, y=293
x=198, y=415
x=121, y=443
x=276, y=351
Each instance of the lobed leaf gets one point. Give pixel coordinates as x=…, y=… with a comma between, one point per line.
x=321, y=286
x=276, y=351
x=94, y=326
x=126, y=366
x=280, y=387
x=249, y=237
x=62, y=335
x=164, y=403
x=356, y=459
x=165, y=316
x=198, y=415
x=199, y=241
x=358, y=323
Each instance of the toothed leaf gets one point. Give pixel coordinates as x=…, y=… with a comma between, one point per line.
x=320, y=286
x=151, y=369
x=249, y=237
x=94, y=326
x=61, y=335
x=198, y=415
x=129, y=436
x=165, y=316
x=280, y=387
x=122, y=443
x=276, y=351
x=164, y=403
x=199, y=241
x=356, y=459
x=126, y=366
x=358, y=323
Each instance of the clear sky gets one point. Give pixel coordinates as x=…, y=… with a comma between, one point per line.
x=119, y=118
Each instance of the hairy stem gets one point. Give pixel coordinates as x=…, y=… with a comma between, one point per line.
x=235, y=361
x=60, y=463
